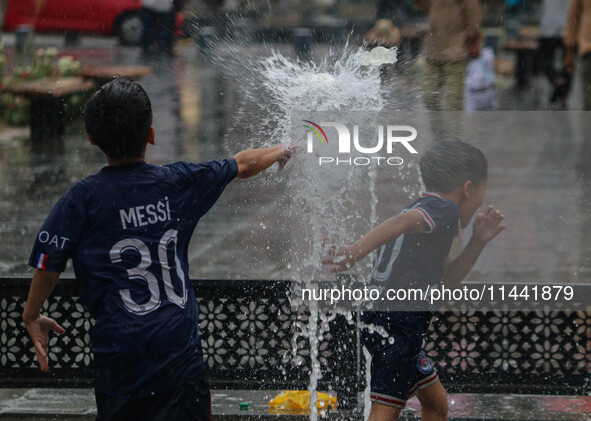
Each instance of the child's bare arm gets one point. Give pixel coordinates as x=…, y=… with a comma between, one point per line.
x=253, y=161
x=486, y=227
x=406, y=223
x=38, y=325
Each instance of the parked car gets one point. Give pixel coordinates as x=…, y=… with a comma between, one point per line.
x=110, y=17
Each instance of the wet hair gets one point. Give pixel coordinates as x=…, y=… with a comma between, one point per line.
x=449, y=164
x=118, y=118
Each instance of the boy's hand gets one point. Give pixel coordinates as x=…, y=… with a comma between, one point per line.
x=39, y=332
x=486, y=225
x=253, y=161
x=286, y=154
x=344, y=259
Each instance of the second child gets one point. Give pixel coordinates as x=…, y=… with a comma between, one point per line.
x=413, y=252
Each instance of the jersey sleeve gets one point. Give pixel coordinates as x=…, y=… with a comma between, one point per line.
x=209, y=179
x=439, y=214
x=58, y=238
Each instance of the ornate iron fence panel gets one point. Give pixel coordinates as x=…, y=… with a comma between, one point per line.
x=512, y=351
x=252, y=339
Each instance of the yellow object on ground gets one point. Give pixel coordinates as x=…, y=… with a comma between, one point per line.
x=300, y=399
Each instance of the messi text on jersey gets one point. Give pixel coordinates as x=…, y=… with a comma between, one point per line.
x=141, y=216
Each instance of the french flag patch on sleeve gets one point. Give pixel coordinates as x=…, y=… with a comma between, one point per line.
x=41, y=260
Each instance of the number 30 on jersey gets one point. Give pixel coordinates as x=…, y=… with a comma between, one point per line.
x=141, y=272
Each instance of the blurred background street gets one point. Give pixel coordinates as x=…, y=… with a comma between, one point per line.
x=203, y=111
x=222, y=76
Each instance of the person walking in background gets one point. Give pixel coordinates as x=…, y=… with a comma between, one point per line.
x=454, y=29
x=385, y=9
x=3, y=8
x=158, y=22
x=578, y=35
x=177, y=8
x=552, y=25
x=384, y=33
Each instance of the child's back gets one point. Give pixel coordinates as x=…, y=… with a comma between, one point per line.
x=130, y=250
x=127, y=230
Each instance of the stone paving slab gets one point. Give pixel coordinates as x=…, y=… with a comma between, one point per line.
x=78, y=404
x=497, y=407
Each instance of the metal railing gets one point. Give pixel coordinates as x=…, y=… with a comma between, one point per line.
x=250, y=341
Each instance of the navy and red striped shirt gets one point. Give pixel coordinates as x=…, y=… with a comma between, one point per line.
x=416, y=260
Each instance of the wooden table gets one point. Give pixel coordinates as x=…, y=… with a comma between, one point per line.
x=104, y=74
x=47, y=97
x=524, y=65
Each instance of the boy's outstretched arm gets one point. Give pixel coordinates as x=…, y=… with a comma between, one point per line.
x=486, y=227
x=405, y=223
x=38, y=325
x=253, y=161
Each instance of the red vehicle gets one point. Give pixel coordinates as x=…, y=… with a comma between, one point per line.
x=117, y=17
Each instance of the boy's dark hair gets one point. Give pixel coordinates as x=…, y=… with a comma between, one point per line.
x=118, y=118
x=448, y=164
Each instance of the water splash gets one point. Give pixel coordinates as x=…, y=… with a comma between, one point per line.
x=317, y=203
x=324, y=201
x=342, y=83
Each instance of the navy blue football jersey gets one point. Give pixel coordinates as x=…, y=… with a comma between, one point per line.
x=416, y=260
x=127, y=230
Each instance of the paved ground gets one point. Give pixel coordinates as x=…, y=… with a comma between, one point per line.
x=201, y=114
x=68, y=404
x=532, y=152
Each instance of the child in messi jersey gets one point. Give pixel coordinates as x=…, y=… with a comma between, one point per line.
x=127, y=230
x=413, y=252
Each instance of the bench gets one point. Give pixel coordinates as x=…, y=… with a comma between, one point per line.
x=47, y=97
x=104, y=74
x=248, y=328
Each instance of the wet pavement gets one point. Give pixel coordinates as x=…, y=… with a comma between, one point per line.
x=191, y=120
x=69, y=404
x=201, y=113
